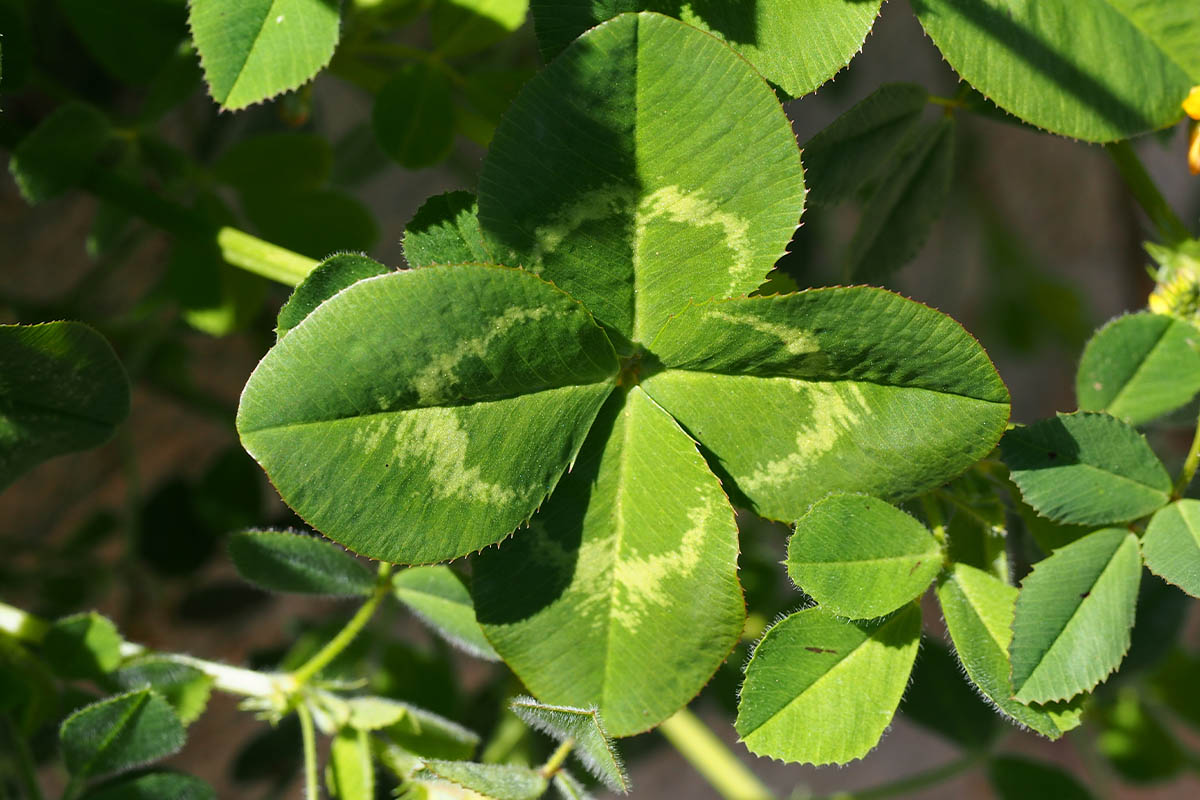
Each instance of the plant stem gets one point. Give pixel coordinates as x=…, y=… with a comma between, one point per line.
x=309, y=738
x=1189, y=466
x=1169, y=226
x=20, y=750
x=334, y=647
x=263, y=258
x=933, y=515
x=913, y=783
x=710, y=757
x=555, y=761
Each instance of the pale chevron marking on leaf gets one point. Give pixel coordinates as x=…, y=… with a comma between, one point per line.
x=435, y=382
x=640, y=580
x=837, y=407
x=602, y=203
x=796, y=341
x=692, y=208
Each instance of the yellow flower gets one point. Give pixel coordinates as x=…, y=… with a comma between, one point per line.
x=1191, y=104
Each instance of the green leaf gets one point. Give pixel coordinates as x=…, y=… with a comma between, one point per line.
x=1171, y=545
x=1017, y=778
x=623, y=594
x=132, y=39
x=1086, y=469
x=294, y=562
x=666, y=204
x=186, y=688
x=328, y=278
x=976, y=524
x=861, y=144
x=860, y=557
x=1174, y=685
x=119, y=733
x=584, y=728
x=857, y=390
x=940, y=700
x=1135, y=743
x=423, y=443
x=797, y=46
x=445, y=230
x=1097, y=70
x=978, y=608
x=438, y=597
x=416, y=730
x=496, y=781
x=350, y=774
x=83, y=646
x=276, y=162
x=569, y=787
x=821, y=690
x=252, y=50
x=28, y=691
x=1139, y=367
x=460, y=27
x=315, y=223
x=154, y=786
x=1074, y=615
x=900, y=212
x=17, y=45
x=59, y=152
x=413, y=116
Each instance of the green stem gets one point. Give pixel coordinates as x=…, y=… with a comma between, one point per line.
x=346, y=635
x=933, y=515
x=309, y=738
x=263, y=258
x=557, y=758
x=913, y=783
x=26, y=773
x=1169, y=226
x=1190, y=463
x=710, y=757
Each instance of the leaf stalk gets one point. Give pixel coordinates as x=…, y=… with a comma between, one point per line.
x=334, y=647
x=709, y=756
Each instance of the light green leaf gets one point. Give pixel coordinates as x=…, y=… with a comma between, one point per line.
x=1171, y=545
x=569, y=787
x=119, y=733
x=978, y=608
x=438, y=597
x=413, y=116
x=1017, y=778
x=466, y=26
x=252, y=50
x=59, y=152
x=186, y=688
x=585, y=729
x=859, y=145
x=496, y=781
x=795, y=44
x=1086, y=469
x=155, y=786
x=350, y=774
x=900, y=212
x=327, y=279
x=623, y=594
x=132, y=39
x=820, y=690
x=857, y=390
x=1074, y=615
x=445, y=230
x=1097, y=70
x=423, y=443
x=294, y=562
x=860, y=557
x=1139, y=367
x=666, y=204
x=416, y=730
x=83, y=646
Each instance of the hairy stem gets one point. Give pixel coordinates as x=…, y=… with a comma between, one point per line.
x=308, y=735
x=1190, y=463
x=334, y=647
x=557, y=758
x=709, y=756
x=1168, y=225
x=913, y=783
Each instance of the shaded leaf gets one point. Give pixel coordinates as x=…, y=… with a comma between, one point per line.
x=315, y=223
x=445, y=230
x=327, y=279
x=119, y=733
x=154, y=786
x=466, y=26
x=1086, y=469
x=59, y=152
x=186, y=688
x=438, y=597
x=939, y=700
x=82, y=646
x=132, y=39
x=821, y=690
x=1017, y=778
x=591, y=743
x=413, y=116
x=1139, y=367
x=860, y=557
x=1136, y=744
x=276, y=162
x=1074, y=615
x=1171, y=545
x=419, y=731
x=293, y=562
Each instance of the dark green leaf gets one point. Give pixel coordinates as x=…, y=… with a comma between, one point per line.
x=132, y=39
x=293, y=562
x=83, y=646
x=465, y=26
x=315, y=223
x=1174, y=684
x=941, y=701
x=1086, y=469
x=17, y=60
x=445, y=230
x=154, y=786
x=59, y=152
x=1135, y=743
x=414, y=116
x=327, y=279
x=1017, y=778
x=276, y=163
x=119, y=733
